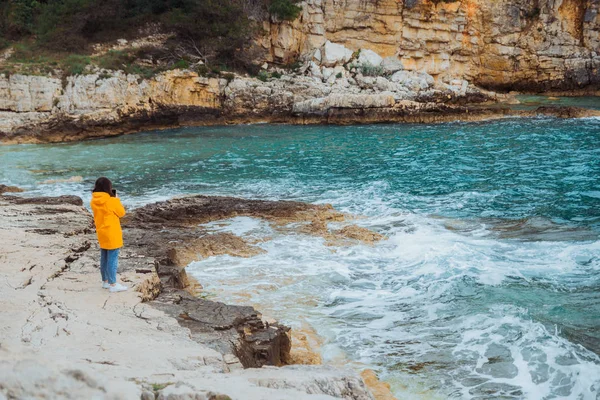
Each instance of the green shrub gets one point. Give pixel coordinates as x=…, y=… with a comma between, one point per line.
x=4, y=43
x=27, y=53
x=293, y=66
x=370, y=70
x=17, y=17
x=202, y=70
x=216, y=31
x=160, y=386
x=276, y=75
x=75, y=64
x=142, y=71
x=228, y=76
x=181, y=64
x=116, y=60
x=263, y=76
x=216, y=28
x=285, y=10
x=339, y=75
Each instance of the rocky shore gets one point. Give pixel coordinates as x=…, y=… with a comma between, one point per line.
x=37, y=109
x=62, y=336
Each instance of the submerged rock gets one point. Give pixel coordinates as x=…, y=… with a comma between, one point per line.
x=193, y=210
x=10, y=189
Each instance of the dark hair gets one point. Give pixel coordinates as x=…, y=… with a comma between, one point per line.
x=103, y=184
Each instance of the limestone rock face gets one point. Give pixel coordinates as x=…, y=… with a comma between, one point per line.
x=413, y=80
x=503, y=44
x=22, y=93
x=421, y=50
x=92, y=106
x=84, y=101
x=34, y=379
x=181, y=88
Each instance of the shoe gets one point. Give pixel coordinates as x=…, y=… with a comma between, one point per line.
x=105, y=285
x=117, y=288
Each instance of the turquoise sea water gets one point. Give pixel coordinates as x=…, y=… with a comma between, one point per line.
x=488, y=285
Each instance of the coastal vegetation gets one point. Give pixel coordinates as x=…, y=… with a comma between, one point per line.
x=50, y=35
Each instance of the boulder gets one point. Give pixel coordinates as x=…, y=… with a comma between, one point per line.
x=334, y=54
x=360, y=101
x=391, y=65
x=365, y=82
x=317, y=55
x=384, y=85
x=413, y=80
x=315, y=70
x=327, y=73
x=456, y=86
x=369, y=57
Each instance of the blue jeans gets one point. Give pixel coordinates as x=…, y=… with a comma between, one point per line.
x=109, y=261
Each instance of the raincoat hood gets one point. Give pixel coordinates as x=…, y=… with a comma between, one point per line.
x=99, y=198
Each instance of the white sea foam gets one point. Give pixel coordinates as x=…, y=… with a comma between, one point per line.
x=241, y=226
x=399, y=298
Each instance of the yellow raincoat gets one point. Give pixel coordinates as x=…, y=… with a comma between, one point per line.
x=107, y=212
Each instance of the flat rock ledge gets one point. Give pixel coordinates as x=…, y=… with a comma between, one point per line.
x=62, y=336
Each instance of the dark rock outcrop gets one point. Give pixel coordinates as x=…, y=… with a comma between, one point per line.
x=228, y=328
x=162, y=230
x=193, y=210
x=68, y=199
x=10, y=189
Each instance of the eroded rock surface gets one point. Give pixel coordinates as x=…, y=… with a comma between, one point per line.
x=62, y=335
x=516, y=44
x=193, y=210
x=170, y=232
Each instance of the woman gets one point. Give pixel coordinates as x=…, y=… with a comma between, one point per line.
x=108, y=210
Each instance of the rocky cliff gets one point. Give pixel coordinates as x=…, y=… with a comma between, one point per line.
x=43, y=109
x=356, y=61
x=499, y=44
